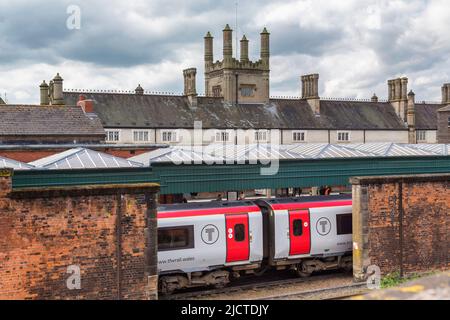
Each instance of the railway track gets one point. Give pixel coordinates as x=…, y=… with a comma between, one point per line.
x=334, y=293
x=257, y=284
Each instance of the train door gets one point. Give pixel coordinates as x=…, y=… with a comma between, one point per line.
x=299, y=232
x=238, y=242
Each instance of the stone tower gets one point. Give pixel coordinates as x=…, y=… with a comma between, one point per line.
x=237, y=81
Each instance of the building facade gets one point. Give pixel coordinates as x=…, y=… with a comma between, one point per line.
x=237, y=108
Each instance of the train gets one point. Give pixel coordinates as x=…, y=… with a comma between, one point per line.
x=213, y=243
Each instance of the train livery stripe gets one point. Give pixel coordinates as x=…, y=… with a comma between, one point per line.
x=207, y=212
x=310, y=205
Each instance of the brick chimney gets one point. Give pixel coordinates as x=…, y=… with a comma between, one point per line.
x=87, y=105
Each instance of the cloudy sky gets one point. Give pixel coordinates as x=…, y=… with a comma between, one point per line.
x=355, y=45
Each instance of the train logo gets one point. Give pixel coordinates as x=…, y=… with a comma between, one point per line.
x=323, y=226
x=210, y=234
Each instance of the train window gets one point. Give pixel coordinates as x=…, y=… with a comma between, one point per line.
x=239, y=232
x=298, y=227
x=344, y=223
x=175, y=238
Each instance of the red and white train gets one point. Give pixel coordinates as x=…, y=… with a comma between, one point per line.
x=202, y=244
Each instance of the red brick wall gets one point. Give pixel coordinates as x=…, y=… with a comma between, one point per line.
x=417, y=242
x=44, y=232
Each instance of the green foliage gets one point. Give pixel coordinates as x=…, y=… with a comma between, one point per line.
x=394, y=279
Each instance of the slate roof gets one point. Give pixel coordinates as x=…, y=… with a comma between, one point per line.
x=81, y=158
x=48, y=120
x=118, y=110
x=426, y=116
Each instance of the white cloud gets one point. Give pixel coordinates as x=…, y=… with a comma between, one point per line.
x=355, y=45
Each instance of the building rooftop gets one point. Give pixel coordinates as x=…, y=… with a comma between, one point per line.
x=218, y=153
x=36, y=120
x=13, y=164
x=118, y=110
x=81, y=158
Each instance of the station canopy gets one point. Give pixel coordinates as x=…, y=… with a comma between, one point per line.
x=220, y=153
x=82, y=158
x=13, y=164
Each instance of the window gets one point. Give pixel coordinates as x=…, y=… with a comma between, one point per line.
x=217, y=91
x=299, y=136
x=140, y=136
x=169, y=136
x=343, y=136
x=298, y=227
x=222, y=136
x=344, y=223
x=261, y=135
x=175, y=238
x=247, y=91
x=449, y=122
x=239, y=232
x=112, y=136
x=421, y=135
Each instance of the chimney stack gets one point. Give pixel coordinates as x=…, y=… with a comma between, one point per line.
x=244, y=49
x=398, y=89
x=209, y=56
x=411, y=118
x=446, y=93
x=265, y=48
x=397, y=96
x=227, y=46
x=44, y=93
x=189, y=86
x=310, y=91
x=87, y=105
x=310, y=86
x=57, y=90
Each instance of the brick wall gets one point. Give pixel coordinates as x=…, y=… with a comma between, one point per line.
x=401, y=223
x=108, y=231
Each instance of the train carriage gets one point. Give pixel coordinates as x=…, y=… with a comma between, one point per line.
x=203, y=244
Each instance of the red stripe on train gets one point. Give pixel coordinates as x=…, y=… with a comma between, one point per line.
x=206, y=212
x=310, y=205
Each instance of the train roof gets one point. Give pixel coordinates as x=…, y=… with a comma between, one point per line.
x=205, y=205
x=307, y=199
